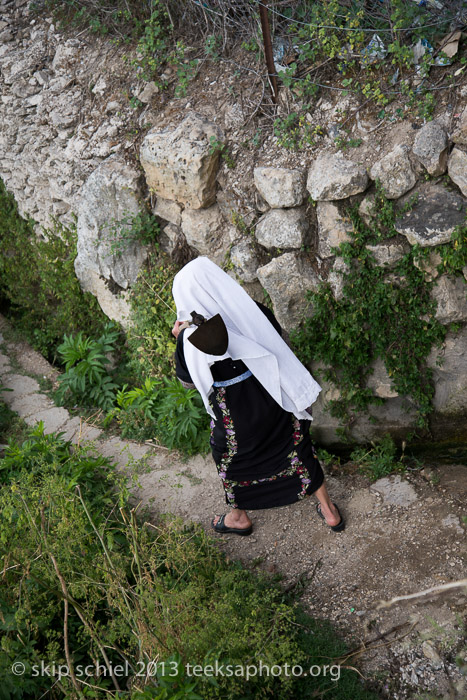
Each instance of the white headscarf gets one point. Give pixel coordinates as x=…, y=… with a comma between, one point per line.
x=203, y=287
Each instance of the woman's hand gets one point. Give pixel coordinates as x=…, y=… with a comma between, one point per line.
x=179, y=326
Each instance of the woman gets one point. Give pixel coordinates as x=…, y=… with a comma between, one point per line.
x=257, y=393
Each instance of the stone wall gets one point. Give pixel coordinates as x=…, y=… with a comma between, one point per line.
x=64, y=149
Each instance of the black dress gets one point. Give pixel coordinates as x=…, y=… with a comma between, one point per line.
x=264, y=455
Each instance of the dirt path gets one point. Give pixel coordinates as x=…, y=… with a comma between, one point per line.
x=403, y=536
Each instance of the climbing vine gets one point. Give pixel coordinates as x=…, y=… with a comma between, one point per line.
x=379, y=315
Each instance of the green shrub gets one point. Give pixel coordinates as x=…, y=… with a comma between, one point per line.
x=86, y=379
x=163, y=411
x=38, y=279
x=150, y=341
x=81, y=572
x=182, y=421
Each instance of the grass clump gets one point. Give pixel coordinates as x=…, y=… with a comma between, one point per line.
x=86, y=582
x=379, y=460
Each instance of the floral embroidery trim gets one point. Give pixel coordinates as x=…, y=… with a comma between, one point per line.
x=296, y=466
x=231, y=449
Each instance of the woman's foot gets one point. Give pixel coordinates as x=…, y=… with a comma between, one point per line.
x=327, y=509
x=340, y=526
x=235, y=519
x=330, y=513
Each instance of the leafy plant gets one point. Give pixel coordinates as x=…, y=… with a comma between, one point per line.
x=141, y=228
x=295, y=132
x=378, y=461
x=86, y=379
x=182, y=421
x=216, y=146
x=154, y=44
x=454, y=253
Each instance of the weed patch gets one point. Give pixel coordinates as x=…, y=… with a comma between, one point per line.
x=38, y=279
x=375, y=318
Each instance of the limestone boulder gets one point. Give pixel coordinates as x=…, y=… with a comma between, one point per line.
x=433, y=217
x=181, y=164
x=388, y=254
x=245, y=260
x=380, y=381
x=282, y=228
x=336, y=277
x=449, y=367
x=451, y=296
x=431, y=148
x=168, y=210
x=395, y=172
x=460, y=133
x=280, y=187
x=116, y=306
x=332, y=228
x=457, y=169
x=207, y=232
x=109, y=201
x=287, y=279
x=430, y=265
x=333, y=177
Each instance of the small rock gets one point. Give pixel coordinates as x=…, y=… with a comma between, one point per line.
x=282, y=228
x=332, y=228
x=434, y=216
x=457, y=169
x=395, y=172
x=395, y=491
x=333, y=177
x=280, y=187
x=431, y=148
x=149, y=91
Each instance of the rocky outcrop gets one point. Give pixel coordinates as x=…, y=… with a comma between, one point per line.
x=181, y=163
x=333, y=177
x=65, y=148
x=109, y=201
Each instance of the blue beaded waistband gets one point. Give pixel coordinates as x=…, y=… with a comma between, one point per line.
x=234, y=380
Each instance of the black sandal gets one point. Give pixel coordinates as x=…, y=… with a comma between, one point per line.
x=335, y=528
x=225, y=529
